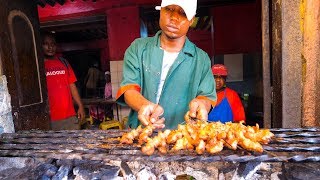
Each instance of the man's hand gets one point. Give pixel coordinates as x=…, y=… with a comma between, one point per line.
x=77, y=99
x=198, y=109
x=150, y=114
x=81, y=114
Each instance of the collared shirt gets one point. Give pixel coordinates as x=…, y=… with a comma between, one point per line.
x=189, y=77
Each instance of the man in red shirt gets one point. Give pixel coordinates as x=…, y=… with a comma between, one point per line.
x=61, y=89
x=229, y=107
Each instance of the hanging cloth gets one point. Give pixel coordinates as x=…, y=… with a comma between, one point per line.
x=222, y=112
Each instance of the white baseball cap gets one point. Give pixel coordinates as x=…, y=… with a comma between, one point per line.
x=189, y=6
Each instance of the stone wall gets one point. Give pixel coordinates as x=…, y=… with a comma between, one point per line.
x=6, y=121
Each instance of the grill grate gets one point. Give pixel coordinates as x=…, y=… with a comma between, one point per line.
x=293, y=145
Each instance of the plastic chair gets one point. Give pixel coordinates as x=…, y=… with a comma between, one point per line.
x=108, y=124
x=90, y=120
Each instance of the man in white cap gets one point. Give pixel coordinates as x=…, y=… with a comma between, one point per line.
x=166, y=77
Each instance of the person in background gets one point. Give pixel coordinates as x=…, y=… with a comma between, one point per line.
x=108, y=86
x=229, y=107
x=99, y=112
x=61, y=88
x=108, y=95
x=92, y=79
x=166, y=77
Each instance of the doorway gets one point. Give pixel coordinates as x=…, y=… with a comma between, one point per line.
x=81, y=61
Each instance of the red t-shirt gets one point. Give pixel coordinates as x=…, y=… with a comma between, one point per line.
x=234, y=102
x=59, y=78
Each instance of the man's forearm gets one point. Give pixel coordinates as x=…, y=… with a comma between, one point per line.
x=135, y=100
x=75, y=95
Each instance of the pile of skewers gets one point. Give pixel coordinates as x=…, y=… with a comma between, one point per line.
x=200, y=136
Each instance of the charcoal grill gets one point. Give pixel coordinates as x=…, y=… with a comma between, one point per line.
x=291, y=151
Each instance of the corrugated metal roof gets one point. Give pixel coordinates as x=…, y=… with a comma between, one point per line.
x=94, y=28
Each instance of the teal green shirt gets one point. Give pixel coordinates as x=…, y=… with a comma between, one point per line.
x=189, y=76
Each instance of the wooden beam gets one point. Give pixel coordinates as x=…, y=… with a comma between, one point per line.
x=97, y=44
x=72, y=28
x=41, y=3
x=75, y=21
x=51, y=2
x=276, y=55
x=61, y=2
x=267, y=100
